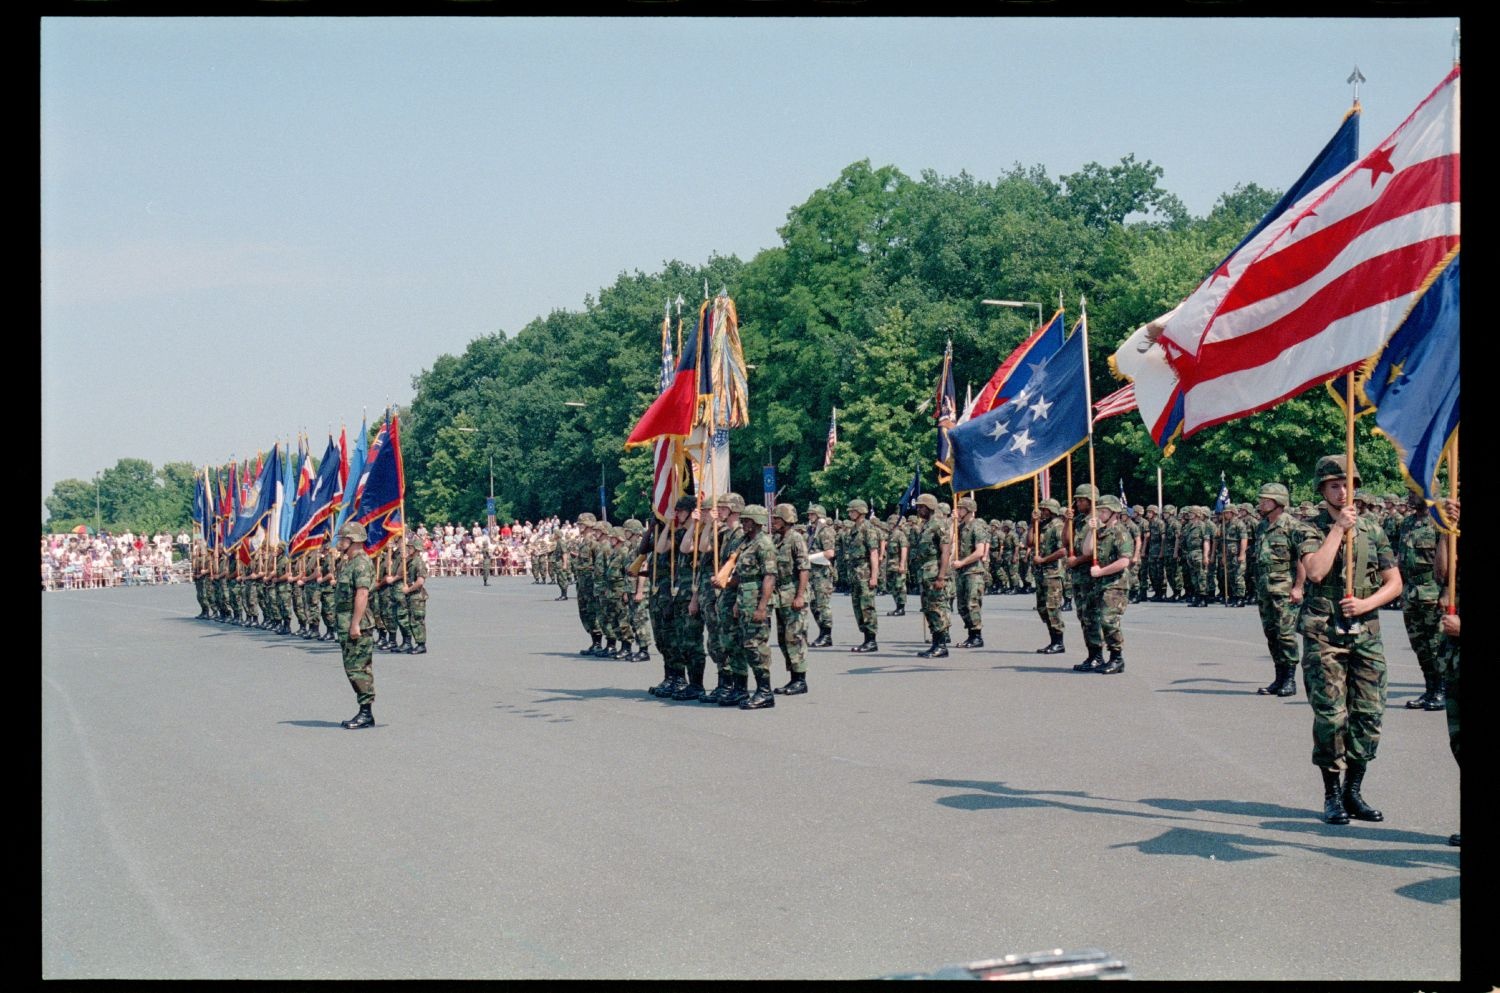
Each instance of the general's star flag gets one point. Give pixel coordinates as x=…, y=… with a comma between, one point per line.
x=1039, y=425
x=1015, y=372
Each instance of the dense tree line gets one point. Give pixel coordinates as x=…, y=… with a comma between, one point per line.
x=875, y=273
x=131, y=495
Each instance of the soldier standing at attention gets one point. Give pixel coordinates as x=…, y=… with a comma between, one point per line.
x=1114, y=545
x=556, y=546
x=356, y=575
x=1451, y=627
x=327, y=575
x=721, y=624
x=821, y=538
x=792, y=570
x=863, y=548
x=581, y=557
x=754, y=585
x=1081, y=524
x=1416, y=546
x=931, y=554
x=687, y=624
x=1046, y=567
x=1280, y=582
x=896, y=545
x=1343, y=658
x=638, y=615
x=972, y=567
x=414, y=591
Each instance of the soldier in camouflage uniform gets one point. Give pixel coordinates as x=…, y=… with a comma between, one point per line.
x=1343, y=660
x=612, y=586
x=719, y=620
x=752, y=589
x=790, y=600
x=896, y=554
x=971, y=564
x=199, y=572
x=679, y=635
x=356, y=576
x=283, y=588
x=822, y=537
x=863, y=550
x=413, y=592
x=1079, y=562
x=1155, y=566
x=1112, y=546
x=1171, y=554
x=396, y=624
x=1417, y=554
x=1191, y=539
x=1280, y=581
x=1237, y=547
x=555, y=555
x=1451, y=628
x=328, y=596
x=580, y=560
x=638, y=614
x=1047, y=569
x=931, y=560
x=1134, y=590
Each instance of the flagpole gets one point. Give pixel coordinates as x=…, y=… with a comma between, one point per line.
x=1453, y=538
x=1349, y=481
x=1159, y=501
x=1088, y=401
x=1070, y=503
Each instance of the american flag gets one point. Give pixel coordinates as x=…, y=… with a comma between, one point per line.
x=666, y=484
x=1321, y=288
x=1121, y=401
x=833, y=438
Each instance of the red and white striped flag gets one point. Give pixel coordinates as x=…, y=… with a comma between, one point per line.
x=1121, y=401
x=1321, y=289
x=666, y=480
x=833, y=438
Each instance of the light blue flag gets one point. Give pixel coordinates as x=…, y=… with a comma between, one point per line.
x=356, y=470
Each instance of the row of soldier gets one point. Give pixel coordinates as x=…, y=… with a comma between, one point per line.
x=269, y=588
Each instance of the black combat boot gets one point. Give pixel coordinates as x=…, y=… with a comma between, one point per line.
x=718, y=692
x=591, y=649
x=421, y=648
x=1289, y=684
x=666, y=680
x=1420, y=703
x=868, y=645
x=676, y=684
x=1354, y=804
x=1439, y=698
x=1453, y=840
x=1274, y=688
x=825, y=638
x=976, y=640
x=607, y=650
x=1115, y=664
x=938, y=650
x=737, y=693
x=1053, y=647
x=1094, y=661
x=897, y=612
x=363, y=719
x=641, y=655
x=763, y=697
x=1067, y=604
x=692, y=687
x=1333, y=802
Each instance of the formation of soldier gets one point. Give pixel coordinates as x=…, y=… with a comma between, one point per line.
x=294, y=593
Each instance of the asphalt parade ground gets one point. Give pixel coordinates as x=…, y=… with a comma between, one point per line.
x=522, y=812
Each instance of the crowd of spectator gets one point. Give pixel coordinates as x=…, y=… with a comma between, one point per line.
x=91, y=561
x=455, y=550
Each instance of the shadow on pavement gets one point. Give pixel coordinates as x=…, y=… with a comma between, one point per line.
x=880, y=670
x=1059, y=668
x=314, y=724
x=602, y=693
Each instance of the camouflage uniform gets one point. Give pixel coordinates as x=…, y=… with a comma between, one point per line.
x=1171, y=552
x=1083, y=588
x=1345, y=671
x=791, y=622
x=1110, y=594
x=894, y=569
x=580, y=552
x=1275, y=550
x=927, y=544
x=756, y=561
x=416, y=602
x=356, y=572
x=1156, y=563
x=328, y=596
x=863, y=539
x=560, y=572
x=1237, y=532
x=1048, y=579
x=1417, y=551
x=822, y=538
x=972, y=533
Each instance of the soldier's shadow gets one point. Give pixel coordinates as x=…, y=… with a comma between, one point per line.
x=600, y=693
x=313, y=724
x=1058, y=669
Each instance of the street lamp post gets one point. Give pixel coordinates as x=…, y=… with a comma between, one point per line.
x=98, y=513
x=1017, y=303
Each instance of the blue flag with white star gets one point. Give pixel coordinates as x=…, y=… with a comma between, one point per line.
x=1033, y=429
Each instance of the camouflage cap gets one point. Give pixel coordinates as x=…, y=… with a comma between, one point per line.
x=619, y=532
x=967, y=503
x=1051, y=505
x=354, y=531
x=817, y=508
x=786, y=512
x=1332, y=467
x=1364, y=496
x=634, y=526
x=733, y=501
x=944, y=508
x=1085, y=491
x=927, y=500
x=858, y=506
x=1139, y=509
x=686, y=503
x=1153, y=509
x=1170, y=508
x=1111, y=502
x=755, y=512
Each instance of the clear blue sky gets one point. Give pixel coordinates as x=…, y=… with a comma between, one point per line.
x=254, y=226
